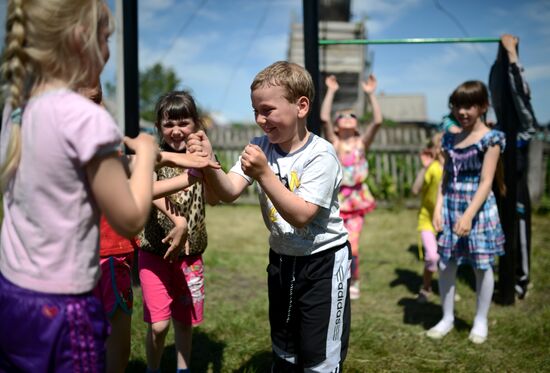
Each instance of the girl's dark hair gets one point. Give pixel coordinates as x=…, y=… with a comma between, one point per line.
x=470, y=93
x=177, y=105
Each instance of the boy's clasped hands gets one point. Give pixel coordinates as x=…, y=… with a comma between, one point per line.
x=189, y=160
x=253, y=160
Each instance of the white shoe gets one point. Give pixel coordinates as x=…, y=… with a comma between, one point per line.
x=354, y=291
x=476, y=338
x=478, y=333
x=440, y=330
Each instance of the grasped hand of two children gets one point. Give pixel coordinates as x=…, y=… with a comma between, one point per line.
x=198, y=144
x=186, y=160
x=253, y=161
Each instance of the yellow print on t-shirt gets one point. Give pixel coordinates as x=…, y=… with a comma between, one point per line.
x=293, y=184
x=273, y=214
x=294, y=181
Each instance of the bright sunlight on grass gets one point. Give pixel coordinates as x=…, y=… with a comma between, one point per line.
x=388, y=326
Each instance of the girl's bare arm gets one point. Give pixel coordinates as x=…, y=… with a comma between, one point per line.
x=486, y=181
x=438, y=210
x=369, y=87
x=165, y=187
x=125, y=203
x=418, y=181
x=463, y=225
x=326, y=109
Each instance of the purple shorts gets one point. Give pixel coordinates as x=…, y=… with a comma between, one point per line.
x=50, y=332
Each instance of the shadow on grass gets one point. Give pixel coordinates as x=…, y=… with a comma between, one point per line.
x=464, y=273
x=259, y=362
x=410, y=279
x=136, y=366
x=207, y=353
x=207, y=356
x=413, y=249
x=425, y=314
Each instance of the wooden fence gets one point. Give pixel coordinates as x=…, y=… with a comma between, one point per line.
x=393, y=157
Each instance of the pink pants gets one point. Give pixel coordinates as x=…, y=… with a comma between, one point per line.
x=431, y=257
x=354, y=225
x=172, y=289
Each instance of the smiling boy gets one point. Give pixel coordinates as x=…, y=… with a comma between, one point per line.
x=298, y=176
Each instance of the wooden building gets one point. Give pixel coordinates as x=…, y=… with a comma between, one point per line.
x=348, y=62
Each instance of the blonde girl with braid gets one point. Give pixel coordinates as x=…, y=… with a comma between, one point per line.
x=60, y=169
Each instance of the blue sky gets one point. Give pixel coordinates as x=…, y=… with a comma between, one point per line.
x=217, y=46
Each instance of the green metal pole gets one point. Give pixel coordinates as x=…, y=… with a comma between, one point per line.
x=410, y=41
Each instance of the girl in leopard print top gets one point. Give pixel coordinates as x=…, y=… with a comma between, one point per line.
x=174, y=238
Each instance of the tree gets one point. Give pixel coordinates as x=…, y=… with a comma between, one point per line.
x=154, y=82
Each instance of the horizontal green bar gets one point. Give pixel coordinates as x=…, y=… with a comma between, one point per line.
x=410, y=41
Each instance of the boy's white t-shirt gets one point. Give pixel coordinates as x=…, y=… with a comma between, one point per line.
x=314, y=174
x=50, y=232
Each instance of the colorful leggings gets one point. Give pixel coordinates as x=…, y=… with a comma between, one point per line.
x=353, y=222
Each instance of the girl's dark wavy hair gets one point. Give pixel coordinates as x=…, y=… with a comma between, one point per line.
x=177, y=105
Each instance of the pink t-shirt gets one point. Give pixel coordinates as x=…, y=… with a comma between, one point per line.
x=49, y=239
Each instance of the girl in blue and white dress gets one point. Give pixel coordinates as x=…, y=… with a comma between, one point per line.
x=466, y=214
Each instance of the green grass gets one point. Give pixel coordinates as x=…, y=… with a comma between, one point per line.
x=388, y=326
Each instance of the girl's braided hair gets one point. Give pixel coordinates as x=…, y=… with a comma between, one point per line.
x=47, y=40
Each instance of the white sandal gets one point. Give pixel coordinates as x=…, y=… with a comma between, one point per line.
x=354, y=292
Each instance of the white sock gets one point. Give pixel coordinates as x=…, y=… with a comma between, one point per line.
x=447, y=278
x=485, y=284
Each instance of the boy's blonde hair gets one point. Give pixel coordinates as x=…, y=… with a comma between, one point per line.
x=296, y=81
x=45, y=40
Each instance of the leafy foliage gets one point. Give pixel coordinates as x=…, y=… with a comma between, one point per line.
x=153, y=82
x=386, y=189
